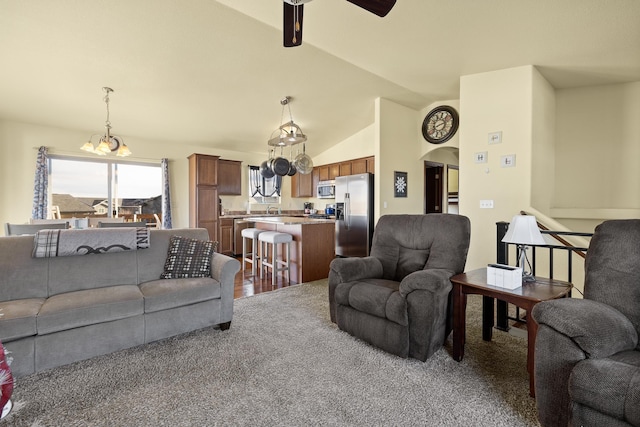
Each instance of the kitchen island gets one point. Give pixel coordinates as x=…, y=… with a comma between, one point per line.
x=313, y=246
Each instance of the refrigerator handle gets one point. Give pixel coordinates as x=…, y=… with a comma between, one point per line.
x=347, y=210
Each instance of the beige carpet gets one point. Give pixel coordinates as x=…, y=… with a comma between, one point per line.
x=283, y=363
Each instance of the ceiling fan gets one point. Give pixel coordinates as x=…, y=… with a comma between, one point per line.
x=293, y=11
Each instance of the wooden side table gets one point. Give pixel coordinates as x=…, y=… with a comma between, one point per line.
x=525, y=297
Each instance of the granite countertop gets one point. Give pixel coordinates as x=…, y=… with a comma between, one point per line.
x=289, y=220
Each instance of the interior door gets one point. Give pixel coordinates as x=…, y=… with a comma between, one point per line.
x=433, y=187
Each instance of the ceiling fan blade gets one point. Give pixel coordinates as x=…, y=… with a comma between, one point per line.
x=379, y=7
x=292, y=24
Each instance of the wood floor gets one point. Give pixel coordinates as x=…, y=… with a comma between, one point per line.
x=246, y=284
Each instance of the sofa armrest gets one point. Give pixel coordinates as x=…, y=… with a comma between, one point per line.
x=570, y=331
x=343, y=270
x=434, y=280
x=224, y=269
x=597, y=329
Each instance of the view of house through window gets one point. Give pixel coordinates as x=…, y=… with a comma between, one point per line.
x=105, y=188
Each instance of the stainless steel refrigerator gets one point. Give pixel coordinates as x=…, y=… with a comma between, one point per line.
x=354, y=215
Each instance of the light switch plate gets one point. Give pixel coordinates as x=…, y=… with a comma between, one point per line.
x=486, y=204
x=495, y=137
x=481, y=157
x=508, y=161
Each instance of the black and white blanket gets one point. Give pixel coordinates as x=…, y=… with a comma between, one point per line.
x=53, y=243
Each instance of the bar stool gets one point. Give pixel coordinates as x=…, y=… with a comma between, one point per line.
x=253, y=257
x=274, y=239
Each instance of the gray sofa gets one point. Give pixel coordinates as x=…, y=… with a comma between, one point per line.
x=64, y=309
x=587, y=363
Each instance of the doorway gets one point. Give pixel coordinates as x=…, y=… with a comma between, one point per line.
x=433, y=185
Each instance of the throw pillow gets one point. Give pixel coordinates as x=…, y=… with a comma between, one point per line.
x=188, y=258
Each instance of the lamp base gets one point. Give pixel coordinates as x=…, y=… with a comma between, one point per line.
x=527, y=278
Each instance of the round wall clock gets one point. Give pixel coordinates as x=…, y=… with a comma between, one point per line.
x=440, y=124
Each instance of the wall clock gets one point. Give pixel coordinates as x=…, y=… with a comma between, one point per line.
x=440, y=124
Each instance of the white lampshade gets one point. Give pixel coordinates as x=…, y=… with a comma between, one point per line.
x=524, y=230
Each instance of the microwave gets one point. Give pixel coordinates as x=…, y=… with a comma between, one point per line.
x=326, y=190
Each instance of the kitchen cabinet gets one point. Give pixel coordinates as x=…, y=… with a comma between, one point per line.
x=334, y=170
x=324, y=172
x=229, y=175
x=302, y=185
x=358, y=166
x=203, y=193
x=225, y=245
x=371, y=164
x=344, y=169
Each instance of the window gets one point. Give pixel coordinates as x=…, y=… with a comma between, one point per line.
x=264, y=190
x=104, y=188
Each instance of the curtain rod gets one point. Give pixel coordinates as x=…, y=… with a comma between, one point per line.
x=82, y=156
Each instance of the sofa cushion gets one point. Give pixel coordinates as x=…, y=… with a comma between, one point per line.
x=170, y=293
x=378, y=297
x=22, y=277
x=187, y=258
x=88, y=307
x=76, y=273
x=18, y=318
x=609, y=385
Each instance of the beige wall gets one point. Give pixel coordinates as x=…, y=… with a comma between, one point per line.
x=597, y=152
x=398, y=149
x=18, y=149
x=491, y=102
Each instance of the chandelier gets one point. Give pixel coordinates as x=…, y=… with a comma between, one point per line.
x=108, y=143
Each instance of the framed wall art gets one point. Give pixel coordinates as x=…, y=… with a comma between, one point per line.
x=399, y=184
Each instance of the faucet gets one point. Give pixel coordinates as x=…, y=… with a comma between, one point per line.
x=269, y=208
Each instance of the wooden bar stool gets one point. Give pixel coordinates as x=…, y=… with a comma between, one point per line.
x=253, y=257
x=274, y=239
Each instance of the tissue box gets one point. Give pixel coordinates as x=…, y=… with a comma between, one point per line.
x=504, y=276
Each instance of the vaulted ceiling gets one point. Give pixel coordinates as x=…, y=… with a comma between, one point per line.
x=213, y=72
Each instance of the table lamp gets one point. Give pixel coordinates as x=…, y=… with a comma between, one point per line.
x=523, y=231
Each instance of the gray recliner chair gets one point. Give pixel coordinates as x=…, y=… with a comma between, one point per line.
x=587, y=359
x=399, y=297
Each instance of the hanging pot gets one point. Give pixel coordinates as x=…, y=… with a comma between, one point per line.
x=265, y=169
x=292, y=169
x=303, y=162
x=280, y=166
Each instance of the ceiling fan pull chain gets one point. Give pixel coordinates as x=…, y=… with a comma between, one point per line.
x=296, y=24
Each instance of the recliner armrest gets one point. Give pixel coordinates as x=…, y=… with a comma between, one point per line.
x=342, y=270
x=435, y=280
x=597, y=329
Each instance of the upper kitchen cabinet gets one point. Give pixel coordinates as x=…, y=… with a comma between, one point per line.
x=334, y=170
x=203, y=169
x=345, y=169
x=358, y=166
x=229, y=177
x=302, y=185
x=203, y=193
